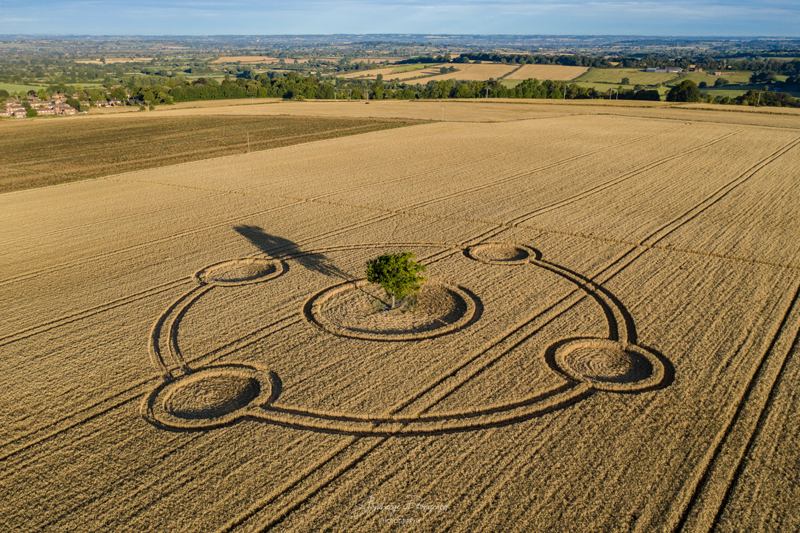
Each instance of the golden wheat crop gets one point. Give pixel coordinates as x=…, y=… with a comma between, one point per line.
x=475, y=71
x=548, y=72
x=608, y=342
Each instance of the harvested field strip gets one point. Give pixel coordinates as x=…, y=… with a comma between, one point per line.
x=91, y=148
x=549, y=72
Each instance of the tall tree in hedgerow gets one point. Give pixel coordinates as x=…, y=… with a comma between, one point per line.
x=398, y=274
x=685, y=91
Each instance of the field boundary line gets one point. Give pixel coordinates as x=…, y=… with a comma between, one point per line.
x=410, y=122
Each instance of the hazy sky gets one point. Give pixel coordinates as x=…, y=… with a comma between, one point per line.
x=266, y=17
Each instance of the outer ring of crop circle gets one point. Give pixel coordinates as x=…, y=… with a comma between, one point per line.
x=533, y=254
x=564, y=348
x=472, y=303
x=280, y=268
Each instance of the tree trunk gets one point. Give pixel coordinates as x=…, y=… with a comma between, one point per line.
x=392, y=301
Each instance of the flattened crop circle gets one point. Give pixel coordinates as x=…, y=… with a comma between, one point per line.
x=501, y=253
x=357, y=310
x=239, y=271
x=210, y=395
x=609, y=365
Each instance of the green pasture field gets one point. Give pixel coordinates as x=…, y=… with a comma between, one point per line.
x=739, y=76
x=738, y=90
x=13, y=87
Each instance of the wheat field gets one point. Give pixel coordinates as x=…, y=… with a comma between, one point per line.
x=608, y=340
x=549, y=72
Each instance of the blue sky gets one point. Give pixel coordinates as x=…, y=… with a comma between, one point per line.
x=265, y=17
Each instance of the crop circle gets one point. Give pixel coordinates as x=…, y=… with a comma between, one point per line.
x=609, y=365
x=501, y=253
x=239, y=271
x=358, y=310
x=212, y=395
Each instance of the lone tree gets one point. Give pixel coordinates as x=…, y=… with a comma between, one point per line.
x=398, y=274
x=685, y=91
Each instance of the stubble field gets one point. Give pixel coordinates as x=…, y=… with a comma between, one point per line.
x=608, y=341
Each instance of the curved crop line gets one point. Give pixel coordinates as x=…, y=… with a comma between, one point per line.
x=620, y=322
x=391, y=419
x=174, y=350
x=156, y=357
x=536, y=405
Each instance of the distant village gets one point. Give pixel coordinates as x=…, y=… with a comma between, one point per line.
x=56, y=105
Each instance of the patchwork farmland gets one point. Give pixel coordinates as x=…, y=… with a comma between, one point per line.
x=611, y=320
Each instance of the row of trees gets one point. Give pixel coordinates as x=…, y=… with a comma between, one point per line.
x=776, y=67
x=688, y=91
x=293, y=86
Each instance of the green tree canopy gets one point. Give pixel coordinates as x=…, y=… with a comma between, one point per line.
x=685, y=91
x=398, y=274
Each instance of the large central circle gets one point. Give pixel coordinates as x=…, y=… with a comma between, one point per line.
x=359, y=310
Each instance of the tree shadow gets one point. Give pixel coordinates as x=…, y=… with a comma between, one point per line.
x=280, y=248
